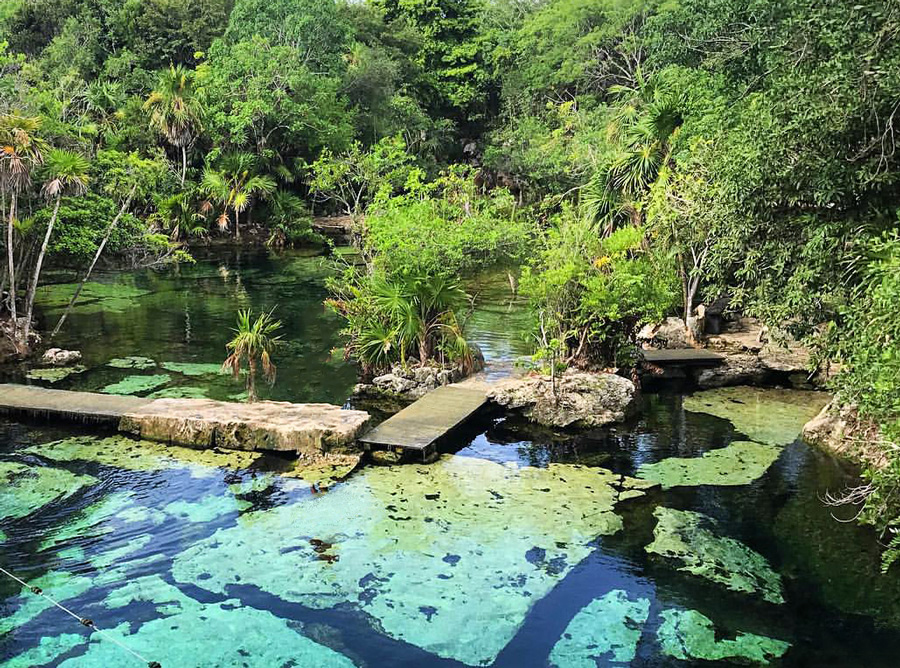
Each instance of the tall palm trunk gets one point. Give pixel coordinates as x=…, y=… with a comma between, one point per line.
x=32, y=288
x=183, y=164
x=87, y=275
x=237, y=226
x=11, y=269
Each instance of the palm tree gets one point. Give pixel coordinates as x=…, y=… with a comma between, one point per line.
x=253, y=344
x=234, y=186
x=175, y=110
x=66, y=171
x=21, y=151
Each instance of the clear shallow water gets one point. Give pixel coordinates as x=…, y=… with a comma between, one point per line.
x=518, y=548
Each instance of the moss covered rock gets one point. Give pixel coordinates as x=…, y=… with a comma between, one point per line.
x=689, y=635
x=690, y=540
x=739, y=463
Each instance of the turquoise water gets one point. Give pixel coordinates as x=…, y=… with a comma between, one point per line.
x=517, y=548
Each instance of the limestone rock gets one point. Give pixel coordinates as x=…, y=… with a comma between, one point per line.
x=735, y=369
x=412, y=382
x=670, y=333
x=310, y=430
x=60, y=357
x=585, y=399
x=826, y=430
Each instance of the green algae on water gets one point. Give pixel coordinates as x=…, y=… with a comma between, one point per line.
x=765, y=415
x=49, y=649
x=55, y=374
x=190, y=634
x=194, y=368
x=739, y=463
x=179, y=392
x=132, y=362
x=127, y=453
x=607, y=628
x=28, y=488
x=689, y=539
x=137, y=384
x=423, y=550
x=687, y=634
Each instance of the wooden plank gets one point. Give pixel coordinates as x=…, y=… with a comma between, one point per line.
x=682, y=356
x=67, y=405
x=422, y=423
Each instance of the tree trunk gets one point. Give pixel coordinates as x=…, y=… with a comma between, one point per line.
x=11, y=270
x=183, y=164
x=237, y=227
x=84, y=280
x=32, y=288
x=251, y=380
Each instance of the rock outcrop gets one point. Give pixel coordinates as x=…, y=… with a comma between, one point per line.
x=309, y=430
x=413, y=382
x=582, y=399
x=60, y=357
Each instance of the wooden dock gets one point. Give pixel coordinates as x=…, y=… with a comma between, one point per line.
x=682, y=357
x=84, y=407
x=419, y=426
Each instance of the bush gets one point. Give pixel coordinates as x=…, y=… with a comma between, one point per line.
x=590, y=294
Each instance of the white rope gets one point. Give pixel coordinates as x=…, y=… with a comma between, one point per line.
x=84, y=621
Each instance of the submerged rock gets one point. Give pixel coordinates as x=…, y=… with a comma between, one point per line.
x=689, y=539
x=608, y=628
x=739, y=463
x=687, y=635
x=771, y=416
x=132, y=362
x=137, y=384
x=55, y=374
x=60, y=357
x=310, y=430
x=189, y=633
x=429, y=548
x=26, y=488
x=584, y=399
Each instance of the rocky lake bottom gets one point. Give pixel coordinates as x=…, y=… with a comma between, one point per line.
x=695, y=533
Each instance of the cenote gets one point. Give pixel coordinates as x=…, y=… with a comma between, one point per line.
x=518, y=547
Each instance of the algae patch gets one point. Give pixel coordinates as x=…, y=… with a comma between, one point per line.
x=193, y=368
x=739, y=463
x=57, y=584
x=608, y=627
x=687, y=634
x=765, y=415
x=132, y=362
x=126, y=453
x=137, y=384
x=689, y=539
x=179, y=392
x=423, y=550
x=28, y=488
x=55, y=374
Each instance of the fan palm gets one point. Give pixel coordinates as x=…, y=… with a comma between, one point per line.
x=234, y=186
x=253, y=344
x=175, y=110
x=66, y=172
x=21, y=151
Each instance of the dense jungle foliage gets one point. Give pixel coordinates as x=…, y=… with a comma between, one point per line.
x=637, y=157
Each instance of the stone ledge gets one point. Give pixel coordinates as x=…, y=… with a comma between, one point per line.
x=308, y=430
